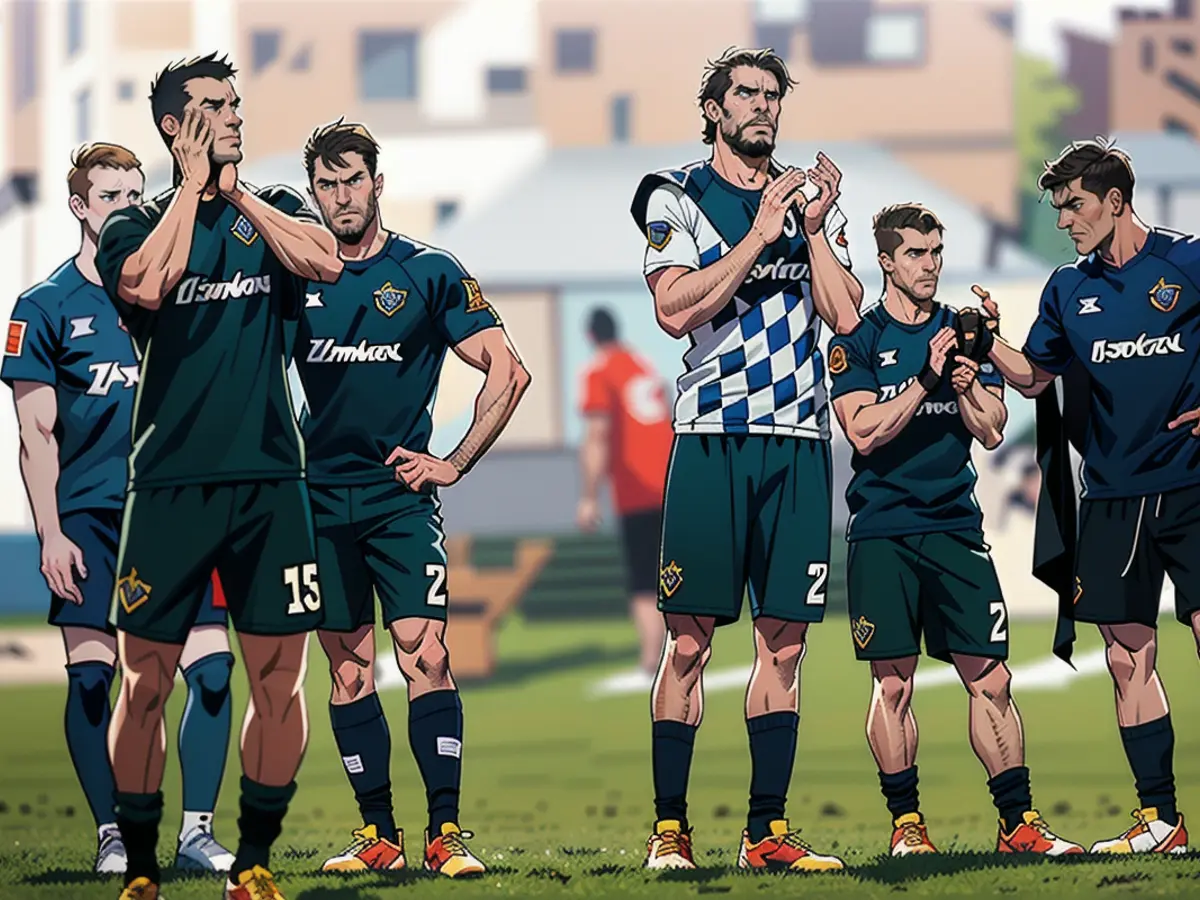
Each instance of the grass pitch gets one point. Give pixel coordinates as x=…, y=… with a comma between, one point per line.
x=557, y=785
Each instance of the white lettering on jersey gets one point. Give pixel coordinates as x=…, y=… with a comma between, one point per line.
x=891, y=391
x=196, y=290
x=779, y=270
x=324, y=350
x=1143, y=346
x=82, y=327
x=939, y=408
x=107, y=375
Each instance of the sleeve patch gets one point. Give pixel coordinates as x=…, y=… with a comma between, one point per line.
x=658, y=234
x=838, y=362
x=475, y=299
x=15, y=341
x=244, y=231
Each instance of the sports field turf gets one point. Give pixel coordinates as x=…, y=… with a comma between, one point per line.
x=557, y=785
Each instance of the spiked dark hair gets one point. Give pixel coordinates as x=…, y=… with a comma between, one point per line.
x=1098, y=164
x=330, y=142
x=168, y=91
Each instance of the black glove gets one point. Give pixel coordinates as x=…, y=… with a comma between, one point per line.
x=976, y=334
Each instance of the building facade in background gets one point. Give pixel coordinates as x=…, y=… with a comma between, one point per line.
x=1156, y=70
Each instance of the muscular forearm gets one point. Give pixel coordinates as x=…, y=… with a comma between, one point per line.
x=984, y=413
x=695, y=297
x=39, y=469
x=837, y=294
x=877, y=423
x=593, y=458
x=305, y=248
x=503, y=387
x=151, y=271
x=1016, y=369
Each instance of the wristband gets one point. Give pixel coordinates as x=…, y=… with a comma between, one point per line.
x=929, y=379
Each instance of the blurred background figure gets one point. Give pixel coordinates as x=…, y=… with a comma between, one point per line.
x=628, y=442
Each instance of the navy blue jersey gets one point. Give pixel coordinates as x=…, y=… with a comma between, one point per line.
x=922, y=481
x=1136, y=330
x=370, y=350
x=64, y=332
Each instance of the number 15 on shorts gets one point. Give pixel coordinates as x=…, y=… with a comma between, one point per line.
x=306, y=591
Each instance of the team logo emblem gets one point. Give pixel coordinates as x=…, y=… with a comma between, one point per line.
x=244, y=231
x=670, y=578
x=862, y=631
x=658, y=235
x=14, y=343
x=1163, y=296
x=312, y=300
x=132, y=591
x=1078, y=590
x=388, y=299
x=837, y=360
x=888, y=358
x=83, y=327
x=475, y=299
x=1088, y=305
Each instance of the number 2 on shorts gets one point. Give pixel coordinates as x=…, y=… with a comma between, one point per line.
x=999, y=632
x=436, y=595
x=306, y=592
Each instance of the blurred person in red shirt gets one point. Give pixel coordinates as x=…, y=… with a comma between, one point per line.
x=628, y=440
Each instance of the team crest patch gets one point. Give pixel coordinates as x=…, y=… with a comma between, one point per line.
x=658, y=235
x=1163, y=296
x=244, y=231
x=862, y=631
x=837, y=360
x=475, y=299
x=389, y=299
x=670, y=578
x=15, y=342
x=132, y=591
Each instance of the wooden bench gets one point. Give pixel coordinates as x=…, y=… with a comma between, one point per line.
x=480, y=598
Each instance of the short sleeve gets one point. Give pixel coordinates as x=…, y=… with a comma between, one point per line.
x=670, y=237
x=122, y=234
x=1047, y=345
x=835, y=232
x=287, y=201
x=31, y=346
x=850, y=369
x=597, y=397
x=455, y=300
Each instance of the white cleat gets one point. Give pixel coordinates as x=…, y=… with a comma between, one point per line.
x=1149, y=834
x=200, y=852
x=110, y=851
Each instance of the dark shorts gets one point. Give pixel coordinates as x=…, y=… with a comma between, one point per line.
x=1126, y=547
x=641, y=534
x=257, y=536
x=97, y=534
x=746, y=511
x=379, y=540
x=942, y=585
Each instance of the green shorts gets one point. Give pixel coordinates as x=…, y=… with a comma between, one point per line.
x=942, y=584
x=746, y=511
x=258, y=536
x=379, y=540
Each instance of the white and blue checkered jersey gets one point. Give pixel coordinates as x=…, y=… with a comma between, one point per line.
x=755, y=367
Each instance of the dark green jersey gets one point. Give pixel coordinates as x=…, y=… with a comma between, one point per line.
x=212, y=403
x=370, y=350
x=922, y=481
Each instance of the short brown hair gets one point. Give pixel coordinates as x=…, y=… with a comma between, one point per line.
x=330, y=142
x=891, y=220
x=1098, y=164
x=96, y=156
x=718, y=78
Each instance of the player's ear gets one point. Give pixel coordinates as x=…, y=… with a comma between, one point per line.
x=78, y=207
x=712, y=110
x=886, y=262
x=379, y=185
x=1114, y=200
x=169, y=125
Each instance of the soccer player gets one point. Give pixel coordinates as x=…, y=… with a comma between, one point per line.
x=1126, y=310
x=746, y=266
x=203, y=277
x=912, y=405
x=72, y=370
x=628, y=439
x=369, y=354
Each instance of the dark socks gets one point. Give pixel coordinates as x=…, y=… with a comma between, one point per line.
x=204, y=731
x=671, y=749
x=260, y=824
x=772, y=754
x=1150, y=748
x=900, y=792
x=363, y=740
x=138, y=816
x=435, y=732
x=87, y=717
x=1012, y=796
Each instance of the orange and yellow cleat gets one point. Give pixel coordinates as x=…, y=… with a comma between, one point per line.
x=256, y=884
x=1034, y=836
x=140, y=889
x=669, y=847
x=1148, y=834
x=449, y=855
x=909, y=836
x=783, y=850
x=368, y=852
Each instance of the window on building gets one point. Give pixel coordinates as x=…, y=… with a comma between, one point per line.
x=387, y=65
x=83, y=116
x=1184, y=85
x=1171, y=125
x=302, y=60
x=1147, y=54
x=264, y=48
x=789, y=11
x=621, y=114
x=896, y=37
x=1183, y=46
x=24, y=51
x=445, y=211
x=506, y=80
x=775, y=35
x=575, y=50
x=74, y=27
x=125, y=90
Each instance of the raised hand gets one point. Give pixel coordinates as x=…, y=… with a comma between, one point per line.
x=828, y=177
x=190, y=148
x=776, y=200
x=990, y=309
x=941, y=345
x=964, y=374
